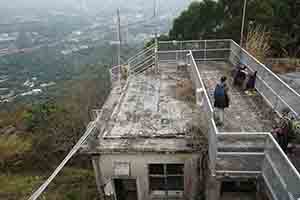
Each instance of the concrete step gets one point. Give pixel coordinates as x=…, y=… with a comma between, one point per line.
x=239, y=162
x=240, y=143
x=238, y=196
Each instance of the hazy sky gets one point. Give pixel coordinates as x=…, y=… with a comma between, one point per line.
x=36, y=3
x=75, y=3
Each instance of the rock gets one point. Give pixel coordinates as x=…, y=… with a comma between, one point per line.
x=184, y=89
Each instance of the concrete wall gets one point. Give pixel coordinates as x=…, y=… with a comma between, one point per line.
x=139, y=170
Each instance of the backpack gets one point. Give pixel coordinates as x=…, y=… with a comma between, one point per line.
x=219, y=91
x=296, y=127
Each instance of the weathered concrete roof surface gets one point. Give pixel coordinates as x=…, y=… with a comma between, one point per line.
x=136, y=145
x=151, y=108
x=293, y=79
x=111, y=101
x=157, y=112
x=246, y=113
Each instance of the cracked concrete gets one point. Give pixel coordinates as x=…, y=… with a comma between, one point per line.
x=246, y=113
x=151, y=107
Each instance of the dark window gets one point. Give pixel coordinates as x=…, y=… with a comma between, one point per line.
x=175, y=183
x=156, y=169
x=175, y=169
x=157, y=183
x=166, y=177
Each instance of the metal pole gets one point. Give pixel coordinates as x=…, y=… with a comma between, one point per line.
x=119, y=43
x=154, y=15
x=205, y=51
x=156, y=56
x=155, y=36
x=243, y=23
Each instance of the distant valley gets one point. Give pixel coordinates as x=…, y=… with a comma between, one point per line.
x=39, y=52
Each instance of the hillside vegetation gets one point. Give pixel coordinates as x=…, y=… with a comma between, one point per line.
x=37, y=134
x=210, y=19
x=35, y=137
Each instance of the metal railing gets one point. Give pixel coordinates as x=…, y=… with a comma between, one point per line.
x=194, y=45
x=203, y=50
x=135, y=65
x=142, y=61
x=209, y=112
x=241, y=154
x=281, y=177
x=277, y=93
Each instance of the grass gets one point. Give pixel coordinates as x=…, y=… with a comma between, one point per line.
x=70, y=184
x=13, y=145
x=17, y=186
x=258, y=42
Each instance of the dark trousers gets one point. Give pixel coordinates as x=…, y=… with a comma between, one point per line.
x=283, y=141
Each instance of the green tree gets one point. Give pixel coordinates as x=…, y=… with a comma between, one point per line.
x=222, y=19
x=200, y=20
x=258, y=12
x=286, y=27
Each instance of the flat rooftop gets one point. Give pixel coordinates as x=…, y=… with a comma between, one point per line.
x=155, y=106
x=157, y=112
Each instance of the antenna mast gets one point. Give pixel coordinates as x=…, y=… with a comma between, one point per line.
x=155, y=19
x=119, y=43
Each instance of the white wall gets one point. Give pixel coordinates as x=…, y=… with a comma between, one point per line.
x=139, y=170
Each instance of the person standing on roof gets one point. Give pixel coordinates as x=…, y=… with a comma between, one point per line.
x=284, y=130
x=221, y=100
x=239, y=75
x=250, y=86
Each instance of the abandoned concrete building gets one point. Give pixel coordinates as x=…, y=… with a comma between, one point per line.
x=158, y=138
x=156, y=135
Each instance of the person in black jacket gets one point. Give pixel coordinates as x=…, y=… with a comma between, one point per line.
x=239, y=75
x=221, y=99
